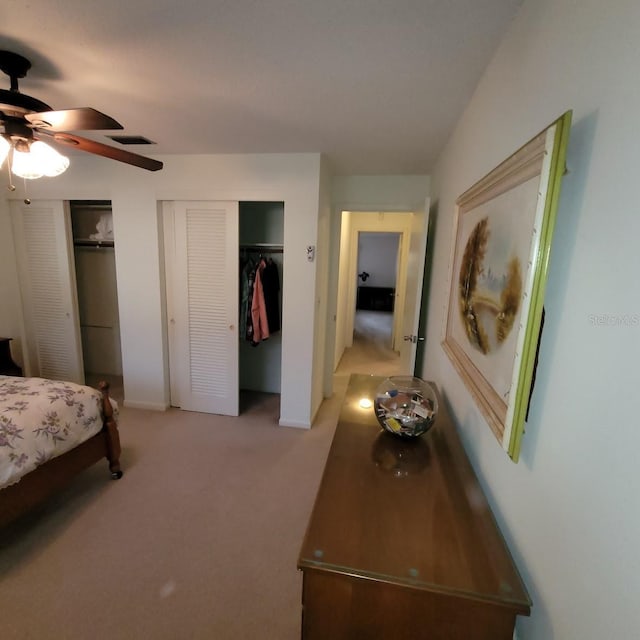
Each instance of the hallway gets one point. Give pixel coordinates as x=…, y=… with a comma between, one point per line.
x=371, y=351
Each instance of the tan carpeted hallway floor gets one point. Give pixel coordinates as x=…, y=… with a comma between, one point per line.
x=371, y=351
x=199, y=539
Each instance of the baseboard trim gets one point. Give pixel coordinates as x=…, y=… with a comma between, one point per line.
x=294, y=423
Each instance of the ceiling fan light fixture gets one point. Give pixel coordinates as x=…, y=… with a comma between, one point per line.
x=22, y=165
x=40, y=160
x=52, y=163
x=23, y=119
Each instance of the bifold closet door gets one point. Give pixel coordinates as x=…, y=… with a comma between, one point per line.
x=44, y=252
x=205, y=301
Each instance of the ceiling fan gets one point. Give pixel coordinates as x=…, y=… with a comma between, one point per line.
x=25, y=120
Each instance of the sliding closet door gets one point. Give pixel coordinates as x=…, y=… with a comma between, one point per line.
x=42, y=233
x=205, y=306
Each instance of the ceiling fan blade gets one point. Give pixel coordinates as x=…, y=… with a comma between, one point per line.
x=91, y=146
x=81, y=119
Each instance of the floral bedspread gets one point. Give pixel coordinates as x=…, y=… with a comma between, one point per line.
x=41, y=419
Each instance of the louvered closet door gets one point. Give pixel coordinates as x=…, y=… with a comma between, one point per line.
x=206, y=305
x=44, y=252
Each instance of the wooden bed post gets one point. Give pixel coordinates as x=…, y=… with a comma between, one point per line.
x=113, y=439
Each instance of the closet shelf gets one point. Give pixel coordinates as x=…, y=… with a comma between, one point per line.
x=264, y=247
x=87, y=242
x=94, y=205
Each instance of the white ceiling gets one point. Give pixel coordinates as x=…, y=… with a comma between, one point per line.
x=376, y=85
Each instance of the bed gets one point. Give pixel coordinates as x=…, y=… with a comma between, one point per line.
x=50, y=431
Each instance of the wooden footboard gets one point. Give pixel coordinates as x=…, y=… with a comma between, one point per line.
x=111, y=432
x=55, y=474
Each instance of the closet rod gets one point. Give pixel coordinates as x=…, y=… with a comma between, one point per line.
x=263, y=247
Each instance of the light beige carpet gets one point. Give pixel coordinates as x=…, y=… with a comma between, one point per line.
x=199, y=539
x=371, y=351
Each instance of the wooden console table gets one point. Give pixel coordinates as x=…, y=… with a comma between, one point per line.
x=401, y=543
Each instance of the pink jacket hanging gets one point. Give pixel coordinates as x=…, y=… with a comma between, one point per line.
x=259, y=308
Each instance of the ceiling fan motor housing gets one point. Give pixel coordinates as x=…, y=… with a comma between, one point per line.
x=13, y=102
x=17, y=104
x=16, y=130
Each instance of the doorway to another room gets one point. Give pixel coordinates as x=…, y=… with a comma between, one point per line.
x=377, y=320
x=377, y=272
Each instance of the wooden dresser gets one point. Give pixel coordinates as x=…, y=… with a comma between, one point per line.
x=375, y=298
x=401, y=543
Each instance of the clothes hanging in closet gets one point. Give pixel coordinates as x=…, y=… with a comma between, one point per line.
x=271, y=287
x=259, y=306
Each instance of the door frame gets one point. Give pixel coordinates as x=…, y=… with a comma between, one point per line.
x=377, y=221
x=169, y=255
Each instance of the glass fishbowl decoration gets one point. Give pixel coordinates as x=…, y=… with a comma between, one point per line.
x=405, y=406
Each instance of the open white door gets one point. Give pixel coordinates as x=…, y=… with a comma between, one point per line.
x=44, y=251
x=204, y=314
x=413, y=295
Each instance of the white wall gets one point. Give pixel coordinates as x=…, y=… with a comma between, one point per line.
x=569, y=508
x=321, y=358
x=134, y=193
x=378, y=256
x=380, y=193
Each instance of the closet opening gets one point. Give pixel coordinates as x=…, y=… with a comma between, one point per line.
x=95, y=268
x=261, y=237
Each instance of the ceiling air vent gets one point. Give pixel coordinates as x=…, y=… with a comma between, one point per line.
x=131, y=139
